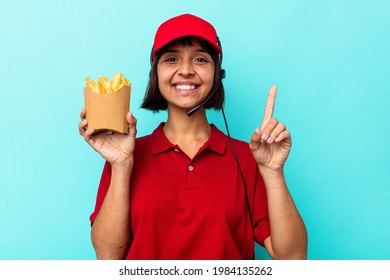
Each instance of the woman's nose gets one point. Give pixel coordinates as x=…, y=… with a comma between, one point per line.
x=186, y=68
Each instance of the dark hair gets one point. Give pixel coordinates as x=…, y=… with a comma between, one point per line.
x=154, y=101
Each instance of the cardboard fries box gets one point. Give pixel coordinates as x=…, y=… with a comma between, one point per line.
x=108, y=111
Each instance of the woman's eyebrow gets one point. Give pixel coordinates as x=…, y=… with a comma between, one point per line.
x=202, y=50
x=170, y=51
x=173, y=50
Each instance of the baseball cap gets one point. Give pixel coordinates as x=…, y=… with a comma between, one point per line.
x=185, y=25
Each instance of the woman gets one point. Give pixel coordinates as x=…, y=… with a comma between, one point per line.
x=187, y=191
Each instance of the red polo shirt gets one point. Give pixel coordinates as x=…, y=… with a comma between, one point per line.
x=183, y=208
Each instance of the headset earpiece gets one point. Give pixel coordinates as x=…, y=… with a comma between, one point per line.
x=223, y=74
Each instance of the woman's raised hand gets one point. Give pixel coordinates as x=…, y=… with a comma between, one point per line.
x=271, y=143
x=116, y=148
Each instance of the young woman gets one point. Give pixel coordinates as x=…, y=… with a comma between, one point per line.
x=187, y=191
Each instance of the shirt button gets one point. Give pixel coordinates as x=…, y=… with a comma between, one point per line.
x=176, y=150
x=190, y=168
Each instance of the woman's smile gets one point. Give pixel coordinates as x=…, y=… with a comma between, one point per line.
x=185, y=89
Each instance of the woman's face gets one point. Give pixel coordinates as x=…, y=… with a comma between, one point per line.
x=185, y=75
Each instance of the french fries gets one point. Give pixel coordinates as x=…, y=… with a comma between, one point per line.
x=104, y=85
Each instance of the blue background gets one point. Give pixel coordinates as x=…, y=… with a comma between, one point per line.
x=330, y=60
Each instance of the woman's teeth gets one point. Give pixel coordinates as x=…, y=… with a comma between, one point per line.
x=185, y=87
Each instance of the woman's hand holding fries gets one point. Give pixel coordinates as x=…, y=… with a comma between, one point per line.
x=116, y=148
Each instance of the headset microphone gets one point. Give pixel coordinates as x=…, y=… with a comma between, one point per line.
x=196, y=108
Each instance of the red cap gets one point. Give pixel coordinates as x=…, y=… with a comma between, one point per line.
x=185, y=25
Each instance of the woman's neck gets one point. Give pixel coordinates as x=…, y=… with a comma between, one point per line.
x=189, y=133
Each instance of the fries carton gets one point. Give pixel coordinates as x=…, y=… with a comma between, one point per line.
x=108, y=111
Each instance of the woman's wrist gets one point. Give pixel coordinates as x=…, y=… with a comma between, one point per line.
x=270, y=172
x=125, y=165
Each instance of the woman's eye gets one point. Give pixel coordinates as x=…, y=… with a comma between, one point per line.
x=170, y=59
x=201, y=60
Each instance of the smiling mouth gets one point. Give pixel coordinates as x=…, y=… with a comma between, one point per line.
x=186, y=87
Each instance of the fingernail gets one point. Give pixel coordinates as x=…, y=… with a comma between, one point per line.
x=264, y=136
x=270, y=140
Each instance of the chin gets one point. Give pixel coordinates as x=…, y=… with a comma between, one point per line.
x=183, y=107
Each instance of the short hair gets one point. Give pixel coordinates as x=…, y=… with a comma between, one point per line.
x=153, y=99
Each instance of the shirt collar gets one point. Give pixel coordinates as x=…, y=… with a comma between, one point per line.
x=159, y=142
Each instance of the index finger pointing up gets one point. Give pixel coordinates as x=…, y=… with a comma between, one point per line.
x=269, y=106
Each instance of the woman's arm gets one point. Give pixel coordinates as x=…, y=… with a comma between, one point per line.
x=270, y=147
x=288, y=238
x=111, y=228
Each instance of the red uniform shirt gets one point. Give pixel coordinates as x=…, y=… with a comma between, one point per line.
x=183, y=208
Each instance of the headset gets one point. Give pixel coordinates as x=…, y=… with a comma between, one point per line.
x=222, y=76
x=193, y=110
x=197, y=107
